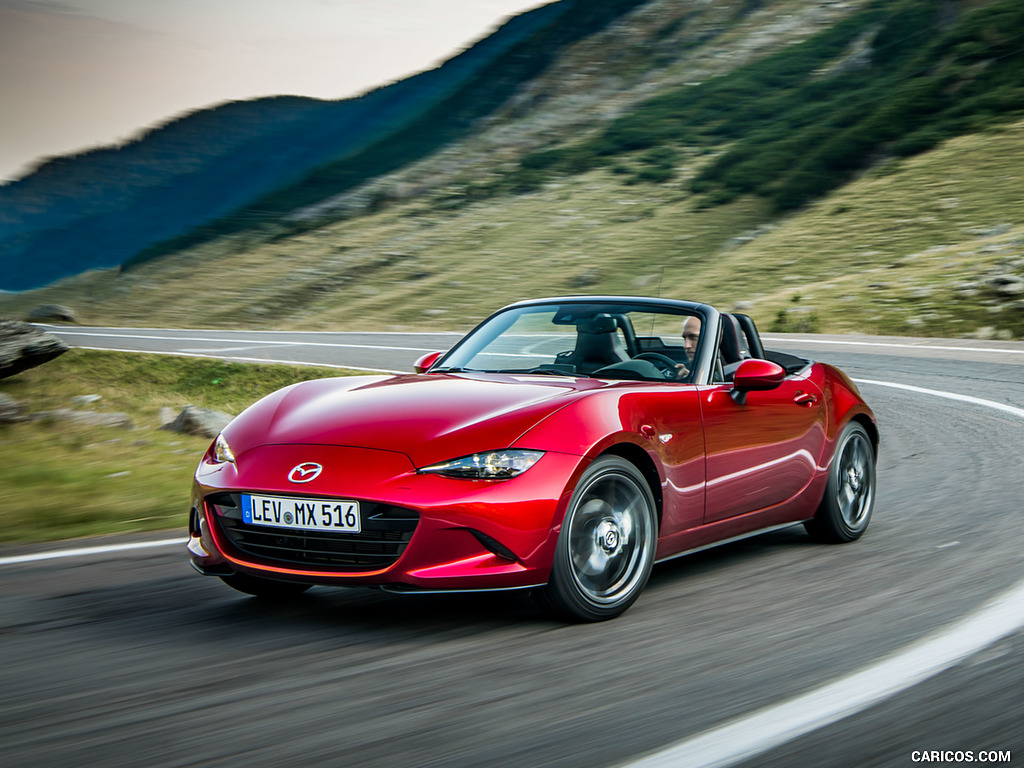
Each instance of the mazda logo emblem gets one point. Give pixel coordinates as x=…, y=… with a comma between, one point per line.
x=303, y=473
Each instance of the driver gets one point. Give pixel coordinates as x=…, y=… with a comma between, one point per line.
x=691, y=335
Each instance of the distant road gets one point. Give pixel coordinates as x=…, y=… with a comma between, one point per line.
x=396, y=352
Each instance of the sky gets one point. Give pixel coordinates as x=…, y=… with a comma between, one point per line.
x=76, y=74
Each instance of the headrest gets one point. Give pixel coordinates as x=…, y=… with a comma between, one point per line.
x=734, y=343
x=603, y=323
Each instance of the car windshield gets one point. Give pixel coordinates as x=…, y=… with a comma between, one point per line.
x=613, y=341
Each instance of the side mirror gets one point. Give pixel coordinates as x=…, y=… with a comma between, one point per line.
x=426, y=362
x=755, y=375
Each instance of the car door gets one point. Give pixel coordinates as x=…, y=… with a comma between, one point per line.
x=763, y=452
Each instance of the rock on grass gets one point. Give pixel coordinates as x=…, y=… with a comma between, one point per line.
x=204, y=422
x=23, y=346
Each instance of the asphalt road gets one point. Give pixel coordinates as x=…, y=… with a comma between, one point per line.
x=132, y=659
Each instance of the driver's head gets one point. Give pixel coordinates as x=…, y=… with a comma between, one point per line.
x=691, y=335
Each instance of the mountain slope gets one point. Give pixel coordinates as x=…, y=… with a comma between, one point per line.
x=450, y=119
x=895, y=78
x=99, y=208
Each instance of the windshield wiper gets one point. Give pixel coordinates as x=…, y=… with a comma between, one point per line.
x=540, y=371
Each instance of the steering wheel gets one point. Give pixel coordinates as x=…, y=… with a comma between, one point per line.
x=663, y=363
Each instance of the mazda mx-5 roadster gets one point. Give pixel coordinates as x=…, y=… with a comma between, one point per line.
x=564, y=446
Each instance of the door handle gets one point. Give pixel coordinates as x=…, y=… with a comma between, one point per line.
x=805, y=399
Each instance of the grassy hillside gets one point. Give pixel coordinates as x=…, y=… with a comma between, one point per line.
x=908, y=248
x=895, y=78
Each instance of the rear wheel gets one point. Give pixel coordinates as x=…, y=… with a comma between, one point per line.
x=267, y=588
x=605, y=550
x=849, y=498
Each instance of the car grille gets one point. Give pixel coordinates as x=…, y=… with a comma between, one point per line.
x=386, y=530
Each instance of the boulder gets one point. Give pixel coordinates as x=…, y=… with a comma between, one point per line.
x=11, y=410
x=586, y=278
x=1007, y=285
x=204, y=422
x=23, y=346
x=57, y=313
x=167, y=416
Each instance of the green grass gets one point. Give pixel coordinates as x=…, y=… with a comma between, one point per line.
x=890, y=252
x=63, y=480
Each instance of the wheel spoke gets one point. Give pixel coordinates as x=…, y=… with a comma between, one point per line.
x=625, y=520
x=595, y=564
x=859, y=457
x=846, y=500
x=848, y=460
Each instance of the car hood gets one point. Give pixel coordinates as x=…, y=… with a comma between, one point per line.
x=429, y=418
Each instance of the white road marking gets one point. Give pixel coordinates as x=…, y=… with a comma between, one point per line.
x=87, y=551
x=1013, y=410
x=220, y=350
x=750, y=735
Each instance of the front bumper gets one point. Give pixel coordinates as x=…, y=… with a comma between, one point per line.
x=420, y=532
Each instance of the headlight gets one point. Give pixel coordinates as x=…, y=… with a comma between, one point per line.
x=493, y=465
x=222, y=451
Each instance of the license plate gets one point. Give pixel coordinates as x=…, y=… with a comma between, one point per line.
x=301, y=514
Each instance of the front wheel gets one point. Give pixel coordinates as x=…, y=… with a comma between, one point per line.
x=605, y=550
x=265, y=588
x=845, y=509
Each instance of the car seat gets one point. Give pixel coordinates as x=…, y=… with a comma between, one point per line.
x=598, y=344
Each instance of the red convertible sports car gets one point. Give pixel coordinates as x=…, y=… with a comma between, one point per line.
x=564, y=446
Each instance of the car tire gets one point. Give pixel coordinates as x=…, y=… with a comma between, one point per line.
x=845, y=509
x=605, y=550
x=265, y=588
